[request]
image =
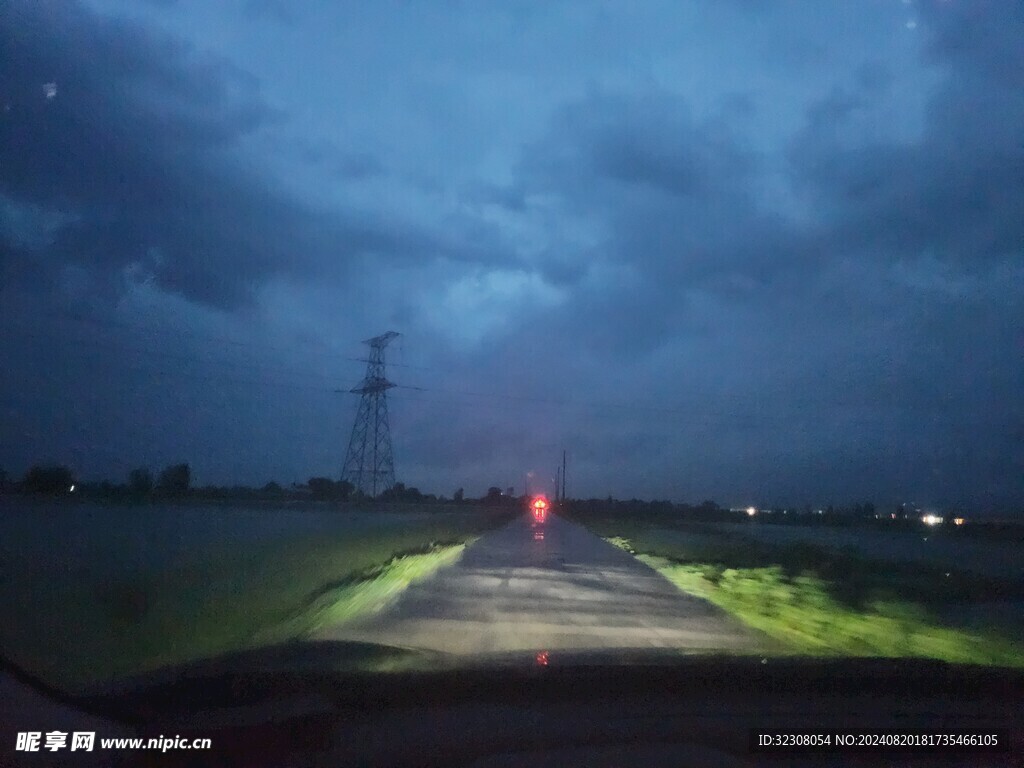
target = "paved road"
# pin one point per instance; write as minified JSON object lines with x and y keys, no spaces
{"x":548,"y":586}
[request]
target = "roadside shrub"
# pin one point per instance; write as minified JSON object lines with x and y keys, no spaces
{"x":48,"y":479}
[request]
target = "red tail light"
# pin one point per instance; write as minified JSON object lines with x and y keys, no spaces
{"x":540,"y":508}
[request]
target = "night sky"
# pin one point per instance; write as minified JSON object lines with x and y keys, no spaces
{"x":760,"y":253}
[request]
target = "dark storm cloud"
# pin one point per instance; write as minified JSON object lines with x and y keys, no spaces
{"x":958,"y":192}
{"x":870,"y":338}
{"x":642,"y":139}
{"x":678,"y":198}
{"x":280,"y":11}
{"x":138,"y":152}
{"x":673,"y":206}
{"x":337,"y":162}
{"x":699,"y":290}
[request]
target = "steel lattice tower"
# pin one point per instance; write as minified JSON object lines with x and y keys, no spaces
{"x":369,"y":463}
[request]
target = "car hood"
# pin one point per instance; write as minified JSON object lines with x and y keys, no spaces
{"x":329,"y":676}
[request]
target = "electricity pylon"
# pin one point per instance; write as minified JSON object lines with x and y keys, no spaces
{"x":369,"y":463}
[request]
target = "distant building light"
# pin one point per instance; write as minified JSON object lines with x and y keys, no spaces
{"x":751,"y":511}
{"x":958,"y":521}
{"x":931,"y":519}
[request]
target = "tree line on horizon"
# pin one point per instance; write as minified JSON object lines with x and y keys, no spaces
{"x":175,"y":482}
{"x":57,"y":480}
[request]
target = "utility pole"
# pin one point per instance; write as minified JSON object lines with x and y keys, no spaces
{"x":369,"y":463}
{"x":563,"y":475}
{"x":558,"y":475}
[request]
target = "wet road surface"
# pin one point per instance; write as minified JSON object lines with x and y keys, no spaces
{"x":552,"y":585}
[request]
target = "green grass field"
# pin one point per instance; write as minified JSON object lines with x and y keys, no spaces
{"x":826,"y":603}
{"x":75,"y":625}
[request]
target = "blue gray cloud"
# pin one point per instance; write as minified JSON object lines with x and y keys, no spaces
{"x":730,"y":250}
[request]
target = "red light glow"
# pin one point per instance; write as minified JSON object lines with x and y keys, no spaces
{"x":540,"y":508}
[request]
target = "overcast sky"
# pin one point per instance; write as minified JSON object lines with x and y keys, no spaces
{"x":755,"y":252}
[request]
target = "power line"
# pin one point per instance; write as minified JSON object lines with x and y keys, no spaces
{"x":262,"y":369}
{"x":696,"y":413}
{"x":177,"y":333}
{"x":136,"y":367}
{"x":73,"y":344}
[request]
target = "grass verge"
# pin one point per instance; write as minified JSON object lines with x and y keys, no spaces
{"x":364,"y":593}
{"x":83,"y":621}
{"x":801,"y":611}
